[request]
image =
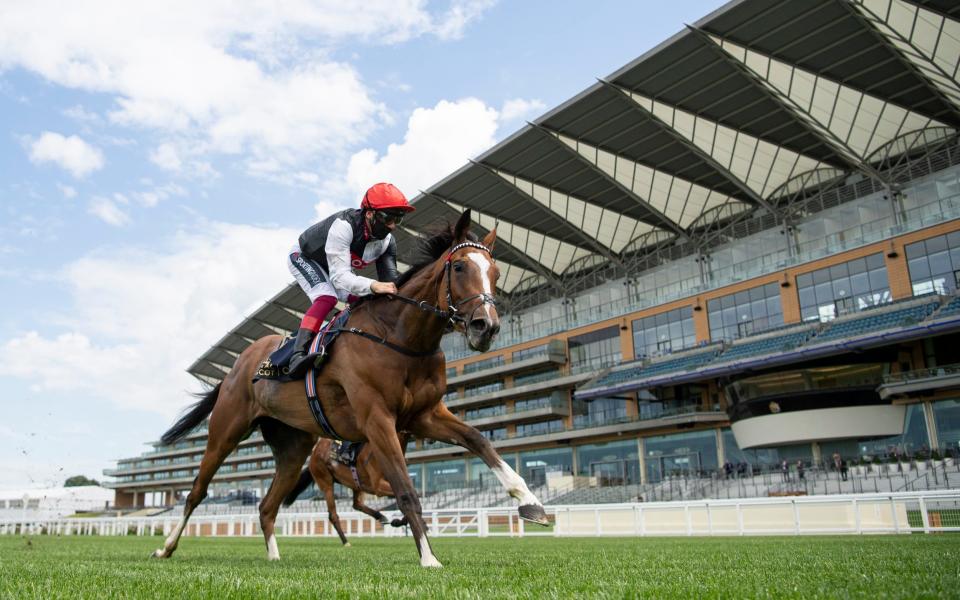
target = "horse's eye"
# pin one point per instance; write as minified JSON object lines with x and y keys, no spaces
{"x":458,"y":266}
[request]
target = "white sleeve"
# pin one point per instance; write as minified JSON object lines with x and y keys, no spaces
{"x":341,"y":272}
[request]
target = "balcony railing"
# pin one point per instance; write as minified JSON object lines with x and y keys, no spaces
{"x":919,"y":374}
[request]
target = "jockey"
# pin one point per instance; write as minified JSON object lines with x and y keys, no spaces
{"x":324,"y":257}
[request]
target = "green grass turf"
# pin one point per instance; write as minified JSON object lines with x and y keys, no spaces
{"x":906,"y":566}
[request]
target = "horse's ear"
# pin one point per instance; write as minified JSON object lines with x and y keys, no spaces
{"x":490,"y":239}
{"x":463,"y":226}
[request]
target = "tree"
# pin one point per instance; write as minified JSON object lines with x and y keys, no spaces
{"x":79,"y":480}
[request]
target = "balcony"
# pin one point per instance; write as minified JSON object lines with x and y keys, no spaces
{"x":921,"y":380}
{"x":553,"y":354}
{"x":535,"y":411}
{"x":555,"y":382}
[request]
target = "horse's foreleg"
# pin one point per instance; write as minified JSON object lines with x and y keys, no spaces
{"x":332,"y":509}
{"x":443,"y":425}
{"x":359,"y":505}
{"x":382,"y":435}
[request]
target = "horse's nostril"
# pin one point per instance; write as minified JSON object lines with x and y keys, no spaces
{"x":478,"y":325}
{"x":495,"y":329}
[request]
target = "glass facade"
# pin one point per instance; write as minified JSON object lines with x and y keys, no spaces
{"x":446,"y":475}
{"x":612,"y":463}
{"x":535,"y":465}
{"x":934,"y":264}
{"x":827,"y":293}
{"x":680,"y":454}
{"x":595,"y":349}
{"x":744,"y":313}
{"x":946,"y":415}
{"x":914,"y":439}
{"x":664,"y":333}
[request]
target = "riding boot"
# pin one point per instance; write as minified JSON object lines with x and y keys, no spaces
{"x":301,"y":348}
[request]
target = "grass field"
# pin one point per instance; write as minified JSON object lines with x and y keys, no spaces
{"x":914,"y":566}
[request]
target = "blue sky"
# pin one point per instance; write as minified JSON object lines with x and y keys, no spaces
{"x":157,"y":161}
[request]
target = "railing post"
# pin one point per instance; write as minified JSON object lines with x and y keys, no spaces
{"x":924,"y":516}
{"x":796,"y":517}
{"x":856,"y":517}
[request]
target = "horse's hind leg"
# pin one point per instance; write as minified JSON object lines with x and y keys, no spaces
{"x":291,"y":447}
{"x":228,"y":426}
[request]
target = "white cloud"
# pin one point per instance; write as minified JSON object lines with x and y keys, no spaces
{"x":166,"y":157}
{"x":107,"y":211}
{"x":140,"y":318}
{"x":233,"y":77}
{"x":519,"y":108}
{"x":67,"y":191}
{"x":70,"y":153}
{"x":438,"y":140}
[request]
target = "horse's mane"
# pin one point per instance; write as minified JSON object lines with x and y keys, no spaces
{"x":438,"y":240}
{"x":429,"y":249}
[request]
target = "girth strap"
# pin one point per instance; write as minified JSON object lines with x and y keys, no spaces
{"x":310,"y":385}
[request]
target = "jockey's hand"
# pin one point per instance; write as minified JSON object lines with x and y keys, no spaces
{"x":383,"y":287}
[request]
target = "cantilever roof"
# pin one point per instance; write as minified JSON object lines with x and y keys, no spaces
{"x":711,"y":123}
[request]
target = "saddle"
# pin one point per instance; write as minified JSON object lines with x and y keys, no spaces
{"x":275,"y":367}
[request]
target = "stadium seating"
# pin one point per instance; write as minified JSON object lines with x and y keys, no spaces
{"x":767,"y":345}
{"x":686,"y":362}
{"x":877,"y":321}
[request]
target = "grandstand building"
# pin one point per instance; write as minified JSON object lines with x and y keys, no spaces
{"x":743,"y":247}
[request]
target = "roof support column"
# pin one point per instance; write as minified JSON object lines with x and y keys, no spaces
{"x":660,"y":219}
{"x":814,"y":125}
{"x":584,"y":238}
{"x":681,"y":139}
{"x":872,"y":23}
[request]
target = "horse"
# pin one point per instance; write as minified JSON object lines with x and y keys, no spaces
{"x":387,"y":375}
{"x":365,"y":477}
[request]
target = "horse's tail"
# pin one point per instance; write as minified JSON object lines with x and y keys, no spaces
{"x":197,"y":413}
{"x":303,"y":483}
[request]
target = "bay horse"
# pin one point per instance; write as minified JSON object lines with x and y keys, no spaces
{"x":387,"y":375}
{"x":325,"y":470}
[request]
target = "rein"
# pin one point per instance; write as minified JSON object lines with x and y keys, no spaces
{"x":452,"y":316}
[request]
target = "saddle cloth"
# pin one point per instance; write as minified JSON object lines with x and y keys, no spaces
{"x":275,"y":366}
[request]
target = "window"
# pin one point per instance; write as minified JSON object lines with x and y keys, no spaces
{"x":828,"y":293}
{"x":480,"y":365}
{"x":596,"y":349}
{"x":745,"y":313}
{"x":664,"y":333}
{"x":934,"y":264}
{"x":529,"y":352}
{"x":540,"y":428}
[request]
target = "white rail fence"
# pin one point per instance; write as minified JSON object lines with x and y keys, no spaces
{"x":892,"y":513}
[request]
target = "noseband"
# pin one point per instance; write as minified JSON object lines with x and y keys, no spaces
{"x":452,"y":315}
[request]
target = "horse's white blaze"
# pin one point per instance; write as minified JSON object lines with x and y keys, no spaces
{"x":515,"y":484}
{"x":427,"y":559}
{"x":484,"y":264}
{"x":272,"y":552}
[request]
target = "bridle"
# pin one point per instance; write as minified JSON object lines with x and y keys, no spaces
{"x":452,"y":315}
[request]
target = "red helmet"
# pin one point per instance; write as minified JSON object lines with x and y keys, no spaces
{"x":385,"y":196}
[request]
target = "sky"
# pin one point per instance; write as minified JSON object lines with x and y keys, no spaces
{"x":158,"y":159}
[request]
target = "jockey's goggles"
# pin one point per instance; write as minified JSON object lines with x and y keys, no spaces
{"x":388,"y":217}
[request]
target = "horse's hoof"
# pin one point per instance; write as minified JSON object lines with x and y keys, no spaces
{"x":534,"y":513}
{"x":346,"y":544}
{"x":430,"y":562}
{"x":398,"y":523}
{"x":159,"y":553}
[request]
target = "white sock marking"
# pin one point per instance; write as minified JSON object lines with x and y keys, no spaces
{"x":427,"y":559}
{"x":272,"y":552}
{"x":515,"y":484}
